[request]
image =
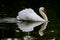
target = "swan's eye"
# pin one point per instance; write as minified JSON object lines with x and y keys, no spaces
{"x":44,"y":11}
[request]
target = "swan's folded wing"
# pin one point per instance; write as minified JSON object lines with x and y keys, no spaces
{"x":29,"y":14}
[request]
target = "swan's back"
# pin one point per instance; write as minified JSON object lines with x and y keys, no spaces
{"x":28,"y":14}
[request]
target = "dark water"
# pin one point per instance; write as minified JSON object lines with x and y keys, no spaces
{"x":11,"y":30}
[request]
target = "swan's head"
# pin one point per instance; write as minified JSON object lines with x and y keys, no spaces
{"x":42,"y":9}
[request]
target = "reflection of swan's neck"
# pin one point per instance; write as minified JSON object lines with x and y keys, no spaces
{"x":43,"y":15}
{"x":43,"y":27}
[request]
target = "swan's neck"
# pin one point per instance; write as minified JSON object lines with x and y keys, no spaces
{"x":43,"y":15}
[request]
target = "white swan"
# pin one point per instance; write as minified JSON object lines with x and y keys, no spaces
{"x":29,"y":14}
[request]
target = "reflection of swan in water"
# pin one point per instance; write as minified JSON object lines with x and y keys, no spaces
{"x":29,"y":14}
{"x":43,"y":27}
{"x":28,"y":26}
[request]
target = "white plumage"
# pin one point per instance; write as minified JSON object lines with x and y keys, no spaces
{"x":29,"y":14}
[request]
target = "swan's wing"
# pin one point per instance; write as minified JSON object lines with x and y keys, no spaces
{"x":28,"y":14}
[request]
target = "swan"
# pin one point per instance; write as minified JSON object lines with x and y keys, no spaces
{"x":28,"y":14}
